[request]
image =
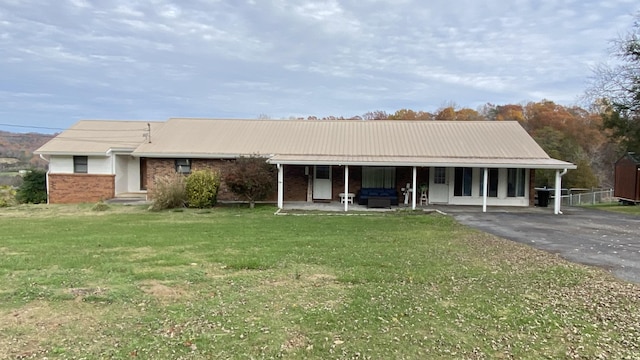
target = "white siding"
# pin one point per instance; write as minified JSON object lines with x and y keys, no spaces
{"x":64,"y":165}
{"x":121,"y":175}
{"x":127,"y":174}
{"x":61,"y":165}
{"x":476,"y":200}
{"x":134,"y":174}
{"x":100,"y":165}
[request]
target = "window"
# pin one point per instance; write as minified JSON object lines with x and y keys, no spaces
{"x":323,"y":172}
{"x":80,"y":164}
{"x":440,"y":175}
{"x":183,"y":166}
{"x":515,"y":182}
{"x":493,"y":183}
{"x":462,"y":182}
{"x":378,"y":177}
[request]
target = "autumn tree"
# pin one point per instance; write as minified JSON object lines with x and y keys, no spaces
{"x":571,"y":134}
{"x":250,"y":177}
{"x":452,"y":112}
{"x":375,"y":115}
{"x":408,"y":114}
{"x":509,"y":113}
{"x":618,"y":86}
{"x":560,"y":145}
{"x":446,"y":113}
{"x":466,"y":114}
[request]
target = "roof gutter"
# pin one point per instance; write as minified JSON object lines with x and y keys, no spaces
{"x":418,"y":164}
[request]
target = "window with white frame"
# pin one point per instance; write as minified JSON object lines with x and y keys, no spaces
{"x":440,"y":175}
{"x":494,"y":177}
{"x":463,"y":178}
{"x":378,"y":177}
{"x":515,"y":182}
{"x":80,"y":164}
{"x":183,"y":166}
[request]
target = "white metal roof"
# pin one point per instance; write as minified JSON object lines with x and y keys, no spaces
{"x":306,"y":142}
{"x":98,"y":137}
{"x":356,"y":142}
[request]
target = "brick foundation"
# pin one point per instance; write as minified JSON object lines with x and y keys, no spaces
{"x":80,"y":188}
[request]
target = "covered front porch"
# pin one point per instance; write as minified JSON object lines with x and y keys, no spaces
{"x":416,"y":186}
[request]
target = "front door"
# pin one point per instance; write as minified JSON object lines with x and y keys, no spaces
{"x":322,"y":182}
{"x":439,"y":188}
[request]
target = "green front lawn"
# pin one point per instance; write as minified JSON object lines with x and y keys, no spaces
{"x":240,"y":283}
{"x":625,"y":209}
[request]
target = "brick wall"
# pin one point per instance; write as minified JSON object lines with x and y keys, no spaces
{"x":404,"y":175}
{"x":80,"y":188}
{"x":337,"y":175}
{"x":295,"y":182}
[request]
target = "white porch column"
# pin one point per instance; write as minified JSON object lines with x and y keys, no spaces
{"x":346,"y":188}
{"x":485,"y":187}
{"x":558,"y":192}
{"x":414,"y":188}
{"x":280,"y":186}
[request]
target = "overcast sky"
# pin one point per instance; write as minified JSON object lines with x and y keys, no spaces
{"x":65,"y":60}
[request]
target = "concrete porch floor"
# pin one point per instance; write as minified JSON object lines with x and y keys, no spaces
{"x":444,"y":209}
{"x":339,"y":207}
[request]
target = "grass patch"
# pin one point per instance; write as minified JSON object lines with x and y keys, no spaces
{"x":240,"y":283}
{"x":625,"y":209}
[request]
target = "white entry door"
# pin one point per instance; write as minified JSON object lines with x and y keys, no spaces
{"x":322,"y":182}
{"x":439,"y":187}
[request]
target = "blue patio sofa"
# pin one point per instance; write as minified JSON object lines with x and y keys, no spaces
{"x":365,"y":193}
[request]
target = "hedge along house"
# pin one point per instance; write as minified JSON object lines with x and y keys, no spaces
{"x":479,"y":163}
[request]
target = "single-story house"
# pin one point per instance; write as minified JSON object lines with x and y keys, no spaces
{"x":483,"y":163}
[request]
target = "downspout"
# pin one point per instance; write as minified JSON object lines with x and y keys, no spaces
{"x":558,"y":191}
{"x":46,"y":177}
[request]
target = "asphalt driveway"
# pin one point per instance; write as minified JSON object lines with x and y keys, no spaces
{"x":593,"y":237}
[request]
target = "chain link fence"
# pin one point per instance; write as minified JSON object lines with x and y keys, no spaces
{"x":588,"y":197}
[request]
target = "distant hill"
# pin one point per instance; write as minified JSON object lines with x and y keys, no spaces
{"x":16,"y":150}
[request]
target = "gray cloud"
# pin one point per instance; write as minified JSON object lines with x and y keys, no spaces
{"x":163,"y":58}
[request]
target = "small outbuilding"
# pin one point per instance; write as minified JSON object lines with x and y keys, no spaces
{"x":627,"y":178}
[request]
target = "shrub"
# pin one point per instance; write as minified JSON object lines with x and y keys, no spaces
{"x":34,"y":188}
{"x":7,"y":196}
{"x":100,"y":206}
{"x":202,"y":188}
{"x":169,"y":192}
{"x":251,"y":177}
